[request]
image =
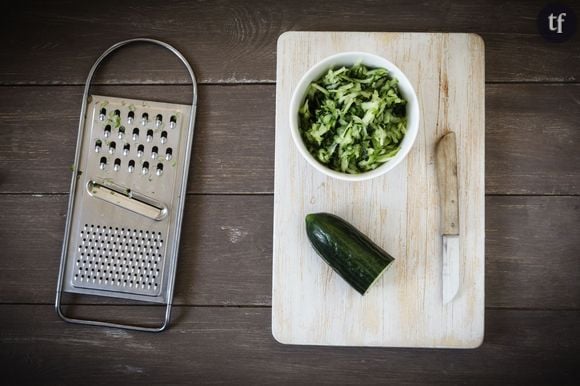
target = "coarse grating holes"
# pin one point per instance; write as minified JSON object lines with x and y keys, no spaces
{"x":112,"y":147}
{"x":118,"y":259}
{"x":103,"y":163}
{"x":136,"y":142}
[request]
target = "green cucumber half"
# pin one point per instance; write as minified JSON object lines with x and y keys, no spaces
{"x":348,"y":251}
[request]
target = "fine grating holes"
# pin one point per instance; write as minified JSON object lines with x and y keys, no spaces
{"x":107,"y":268}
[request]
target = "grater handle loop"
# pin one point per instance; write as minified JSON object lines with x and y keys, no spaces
{"x":123,"y":43}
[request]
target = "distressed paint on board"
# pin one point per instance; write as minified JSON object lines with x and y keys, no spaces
{"x":399,"y":211}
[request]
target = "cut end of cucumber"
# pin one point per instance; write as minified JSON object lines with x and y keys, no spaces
{"x":351,"y":254}
{"x":378,"y":277}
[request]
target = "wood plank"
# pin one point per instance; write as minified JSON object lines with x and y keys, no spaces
{"x":532,"y":247}
{"x":235,"y":41}
{"x":233,"y":145}
{"x":531,"y":147}
{"x":532,"y":250}
{"x":235,"y":346}
{"x":532,"y":139}
{"x":224,"y":257}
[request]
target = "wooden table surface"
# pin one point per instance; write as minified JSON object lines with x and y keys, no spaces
{"x":221,"y":326}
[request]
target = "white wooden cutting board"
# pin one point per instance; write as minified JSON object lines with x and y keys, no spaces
{"x":399,"y":211}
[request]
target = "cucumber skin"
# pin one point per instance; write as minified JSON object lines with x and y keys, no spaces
{"x":349,"y":252}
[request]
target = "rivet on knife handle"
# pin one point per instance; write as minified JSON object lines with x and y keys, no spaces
{"x":446,"y":159}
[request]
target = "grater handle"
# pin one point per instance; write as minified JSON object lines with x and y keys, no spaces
{"x":99,"y":323}
{"x":118,"y":45}
{"x":173,"y":261}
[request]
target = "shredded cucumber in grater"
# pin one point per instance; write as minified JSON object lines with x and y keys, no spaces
{"x":353,"y":118}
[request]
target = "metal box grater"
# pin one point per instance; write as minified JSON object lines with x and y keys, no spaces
{"x":127,"y":198}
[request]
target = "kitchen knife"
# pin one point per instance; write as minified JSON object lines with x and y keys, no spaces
{"x":446,"y":160}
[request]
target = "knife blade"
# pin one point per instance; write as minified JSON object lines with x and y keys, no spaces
{"x":446,"y":160}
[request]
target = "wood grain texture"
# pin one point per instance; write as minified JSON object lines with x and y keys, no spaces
{"x":233,"y":144}
{"x":232,"y":41}
{"x":234,"y":346}
{"x":532,"y":248}
{"x":446,"y":160}
{"x":532,"y":244}
{"x":399,"y":211}
{"x":532,"y":147}
{"x":530,"y":237}
{"x":532,"y":131}
{"x":224,"y":257}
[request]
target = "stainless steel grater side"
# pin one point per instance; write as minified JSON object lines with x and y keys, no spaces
{"x":126,"y":198}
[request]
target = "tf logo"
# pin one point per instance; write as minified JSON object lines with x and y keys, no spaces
{"x":556,"y":22}
{"x":560,"y":20}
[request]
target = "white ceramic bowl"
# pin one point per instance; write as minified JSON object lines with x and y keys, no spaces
{"x":349,"y":59}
